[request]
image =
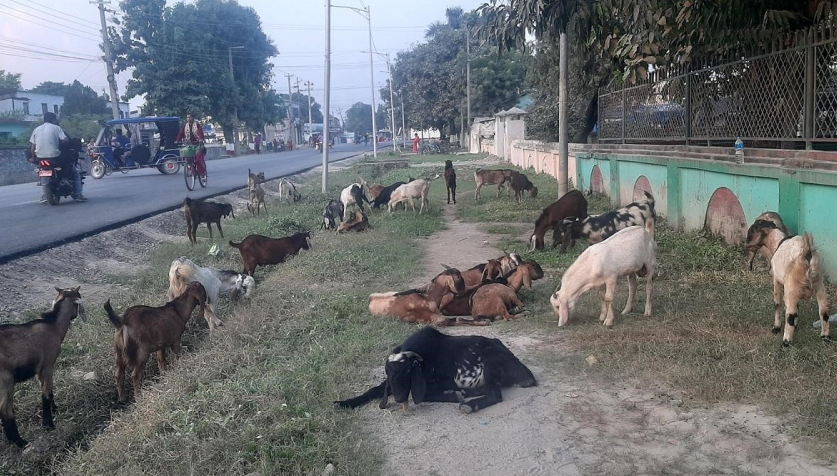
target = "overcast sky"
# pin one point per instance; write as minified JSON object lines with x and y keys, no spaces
{"x":296,"y":27}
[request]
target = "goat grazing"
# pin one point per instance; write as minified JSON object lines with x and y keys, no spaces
{"x":596,"y":228}
{"x":776,"y":219}
{"x":572,"y":204}
{"x":408,"y":192}
{"x":353,"y":195}
{"x":435,"y":367}
{"x":527,"y":272}
{"x":254,"y":185}
{"x":795,"y":266}
{"x":198,"y":212}
{"x":450,"y":180}
{"x":520,"y":183}
{"x":374,"y":191}
{"x":215,"y":281}
{"x":258,"y":250}
{"x":423,"y":305}
{"x":386,"y":193}
{"x":491,"y":177}
{"x":332,"y":214}
{"x":31,"y":349}
{"x":288,"y":191}
{"x":360,"y":222}
{"x":145,"y":329}
{"x":629,"y":252}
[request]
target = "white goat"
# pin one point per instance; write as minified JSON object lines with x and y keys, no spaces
{"x":216,"y":282}
{"x":409,"y":191}
{"x":353,"y":195}
{"x":629,"y":252}
{"x":287,"y":190}
{"x":795,"y":266}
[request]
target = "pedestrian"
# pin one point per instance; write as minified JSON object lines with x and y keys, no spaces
{"x":416,"y":141}
{"x":366,"y":139}
{"x":258,"y":142}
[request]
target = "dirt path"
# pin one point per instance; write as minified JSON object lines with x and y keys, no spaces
{"x":568,"y":425}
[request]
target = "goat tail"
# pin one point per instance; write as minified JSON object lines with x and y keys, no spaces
{"x":235,"y":245}
{"x":114,"y":318}
{"x":649,"y":226}
{"x":812,"y":257}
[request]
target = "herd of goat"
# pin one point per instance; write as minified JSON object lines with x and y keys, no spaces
{"x":429,"y":365}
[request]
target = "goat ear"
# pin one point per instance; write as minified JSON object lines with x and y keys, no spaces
{"x":385,"y":396}
{"x":58,"y":289}
{"x":443,"y":265}
{"x":418,"y":387}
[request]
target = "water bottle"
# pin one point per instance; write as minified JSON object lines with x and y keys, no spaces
{"x":739,"y":151}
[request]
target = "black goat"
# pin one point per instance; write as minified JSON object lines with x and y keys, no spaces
{"x":331,"y":215}
{"x":386,"y":193}
{"x":198,"y":212}
{"x":450,"y":180}
{"x":436,"y":367}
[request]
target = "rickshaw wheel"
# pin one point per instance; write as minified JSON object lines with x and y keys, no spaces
{"x":169,"y":166}
{"x":97,"y":169}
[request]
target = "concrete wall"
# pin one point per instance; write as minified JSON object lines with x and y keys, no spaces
{"x":14,"y":168}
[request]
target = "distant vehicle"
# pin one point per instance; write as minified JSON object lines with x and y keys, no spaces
{"x":155,"y":147}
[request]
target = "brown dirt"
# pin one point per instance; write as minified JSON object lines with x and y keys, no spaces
{"x":569,"y":425}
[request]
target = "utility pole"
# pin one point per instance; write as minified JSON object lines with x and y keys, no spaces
{"x":310,"y":118}
{"x":468,"y":72}
{"x":372,"y":82}
{"x":391,"y":104}
{"x":235,"y":107}
{"x":291,"y":134}
{"x":114,"y":98}
{"x":403,"y":123}
{"x":327,"y":94}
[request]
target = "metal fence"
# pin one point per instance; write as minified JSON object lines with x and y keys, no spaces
{"x":786,"y":95}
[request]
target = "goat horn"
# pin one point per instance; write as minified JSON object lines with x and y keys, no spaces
{"x":445,"y":266}
{"x":408,"y":354}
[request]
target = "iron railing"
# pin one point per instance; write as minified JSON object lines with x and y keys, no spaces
{"x":787,"y":95}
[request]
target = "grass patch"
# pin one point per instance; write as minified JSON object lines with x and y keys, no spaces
{"x":256,"y":395}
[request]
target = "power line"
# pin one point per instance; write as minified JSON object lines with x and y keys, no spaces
{"x":52,"y":21}
{"x":51,"y":27}
{"x":62,"y":12}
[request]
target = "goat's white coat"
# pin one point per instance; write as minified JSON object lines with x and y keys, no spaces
{"x":287,"y":190}
{"x":600,"y":266}
{"x":347,"y":198}
{"x":183,"y":271}
{"x":408,"y":192}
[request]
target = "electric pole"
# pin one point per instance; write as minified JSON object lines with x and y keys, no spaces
{"x":236,"y":124}
{"x":310,"y":119}
{"x":403,"y":123}
{"x":468,"y":72}
{"x":327,"y":94}
{"x":291,"y":134}
{"x":372,"y":82}
{"x":391,"y":104}
{"x":114,"y":98}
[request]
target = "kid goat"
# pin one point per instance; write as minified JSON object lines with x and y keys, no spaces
{"x":795,"y":266}
{"x":630,"y":252}
{"x":31,"y":349}
{"x":435,"y":367}
{"x":597,"y":228}
{"x":198,"y":212}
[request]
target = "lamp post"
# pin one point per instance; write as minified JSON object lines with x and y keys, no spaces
{"x":326,"y":95}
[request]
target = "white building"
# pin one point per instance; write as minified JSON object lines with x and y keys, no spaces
{"x":33,"y":105}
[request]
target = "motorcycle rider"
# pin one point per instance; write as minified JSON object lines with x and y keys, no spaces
{"x":45,"y":142}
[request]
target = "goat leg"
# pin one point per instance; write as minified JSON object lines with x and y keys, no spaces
{"x":218,"y":224}
{"x":777,"y":307}
{"x":492,"y":396}
{"x":161,"y":360}
{"x":610,"y":291}
{"x":822,"y":306}
{"x":209,"y":227}
{"x":47,"y":400}
{"x":632,"y":286}
{"x":7,"y":415}
{"x":791,"y":313}
{"x":12,"y":434}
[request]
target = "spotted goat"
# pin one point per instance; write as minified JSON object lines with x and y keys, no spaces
{"x":434,"y":367}
{"x":597,"y":228}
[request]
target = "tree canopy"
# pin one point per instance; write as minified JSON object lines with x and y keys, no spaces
{"x":51,"y":87}
{"x":302,"y":100}
{"x":359,"y":118}
{"x":9,"y":80}
{"x":81,"y":99}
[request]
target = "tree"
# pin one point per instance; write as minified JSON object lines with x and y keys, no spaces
{"x":359,"y":118}
{"x":302,"y":100}
{"x":181,"y":66}
{"x":51,"y":87}
{"x":9,"y":80}
{"x":84,"y":126}
{"x":81,"y":99}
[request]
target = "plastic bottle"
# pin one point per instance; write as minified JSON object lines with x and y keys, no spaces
{"x":739,"y":151}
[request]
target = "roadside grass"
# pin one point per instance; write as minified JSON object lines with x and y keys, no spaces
{"x":709,"y":336}
{"x":255,"y":395}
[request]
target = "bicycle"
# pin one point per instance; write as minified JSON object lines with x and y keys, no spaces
{"x":190,"y":171}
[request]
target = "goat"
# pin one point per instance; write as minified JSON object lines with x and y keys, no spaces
{"x":423,"y":305}
{"x":198,"y":212}
{"x":287,"y":190}
{"x":353,"y":195}
{"x":795,"y":266}
{"x":215,"y":281}
{"x":145,"y":329}
{"x":258,"y":250}
{"x":491,"y":177}
{"x":374,"y":191}
{"x":629,"y":252}
{"x":490,"y":271}
{"x":408,"y":192}
{"x":771,"y":217}
{"x":332,"y":213}
{"x":450,"y":180}
{"x":254,"y":182}
{"x":494,"y":300}
{"x":572,"y":204}
{"x":596,"y":228}
{"x":359,"y":223}
{"x":386,"y":193}
{"x":527,"y":272}
{"x":520,"y":183}
{"x":434,"y":367}
{"x":31,"y":349}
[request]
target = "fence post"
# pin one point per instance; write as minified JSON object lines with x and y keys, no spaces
{"x":809,"y":103}
{"x":688,"y":107}
{"x":624,"y":113}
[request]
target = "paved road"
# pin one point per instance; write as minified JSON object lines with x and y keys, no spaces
{"x":29,"y":226}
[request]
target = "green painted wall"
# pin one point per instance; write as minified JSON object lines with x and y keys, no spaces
{"x":755,"y":194}
{"x":585,"y":169}
{"x":813,"y":201}
{"x":657,"y":175}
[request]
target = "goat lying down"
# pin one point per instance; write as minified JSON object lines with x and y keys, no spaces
{"x":795,"y":266}
{"x":630,"y":252}
{"x":215,"y":281}
{"x":435,"y":367}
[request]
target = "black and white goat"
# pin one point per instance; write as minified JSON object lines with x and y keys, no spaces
{"x":332,"y":214}
{"x":597,"y":228}
{"x":215,"y":281}
{"x":353,"y":195}
{"x":435,"y":367}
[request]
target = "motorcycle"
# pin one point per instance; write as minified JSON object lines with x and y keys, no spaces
{"x":55,"y":176}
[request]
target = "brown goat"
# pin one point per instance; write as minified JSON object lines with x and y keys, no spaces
{"x":31,"y":349}
{"x":572,"y":204}
{"x":198,"y":212}
{"x":494,"y":301}
{"x":145,"y":329}
{"x":254,"y":186}
{"x":527,"y":272}
{"x":450,"y":180}
{"x":258,"y":250}
{"x":491,"y":177}
{"x":423,"y":305}
{"x":520,"y":183}
{"x":774,"y":218}
{"x":360,"y":222}
{"x":374,"y":191}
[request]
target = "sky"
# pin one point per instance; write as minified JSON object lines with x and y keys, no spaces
{"x":71,"y":29}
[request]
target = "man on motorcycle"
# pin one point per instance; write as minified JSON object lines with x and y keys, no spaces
{"x":45,"y":142}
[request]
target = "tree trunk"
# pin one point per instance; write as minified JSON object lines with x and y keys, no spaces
{"x":563,"y":134}
{"x":229,"y":135}
{"x":590,"y":118}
